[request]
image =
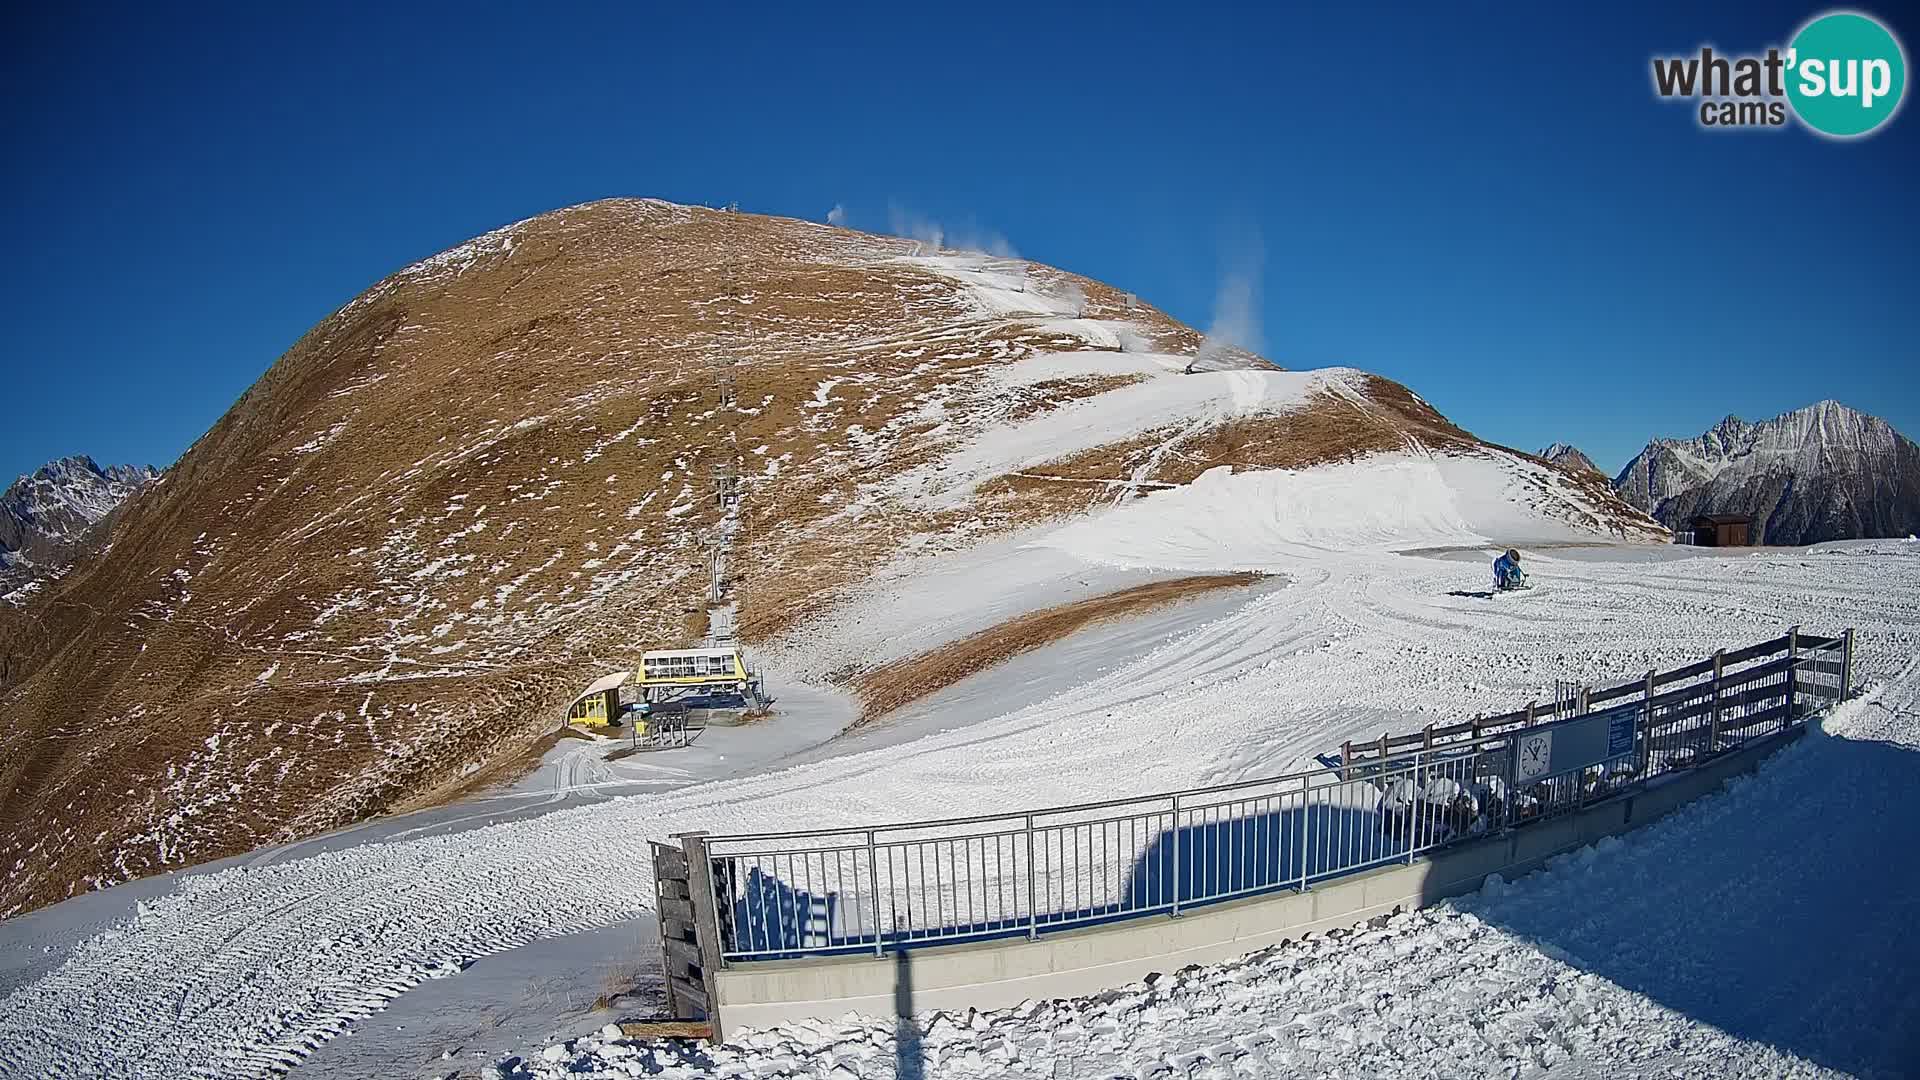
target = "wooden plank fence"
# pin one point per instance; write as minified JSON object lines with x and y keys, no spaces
{"x":689,"y":935}
{"x":1645,"y":688}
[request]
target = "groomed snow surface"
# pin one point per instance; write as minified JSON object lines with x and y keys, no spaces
{"x":1768,"y":931}
{"x":1688,"y":954}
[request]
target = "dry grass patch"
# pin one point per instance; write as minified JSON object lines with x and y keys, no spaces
{"x":887,"y":688}
{"x":1031,"y":401}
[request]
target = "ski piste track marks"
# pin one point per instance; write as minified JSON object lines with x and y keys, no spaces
{"x":1635,"y":957}
{"x":243,"y":971}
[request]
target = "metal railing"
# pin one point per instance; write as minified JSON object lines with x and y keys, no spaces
{"x":1027,"y":873}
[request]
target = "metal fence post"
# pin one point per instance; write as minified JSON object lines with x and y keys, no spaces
{"x":1793,"y":676}
{"x":1033,"y":874}
{"x":1415,"y":808}
{"x":873,"y":882}
{"x":1176,"y":856}
{"x":1846,"y":665}
{"x":1305,"y":793}
{"x":1513,"y":779}
{"x":1713,"y":729}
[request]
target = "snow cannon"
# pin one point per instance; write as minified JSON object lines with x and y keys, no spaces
{"x":1507,"y":575}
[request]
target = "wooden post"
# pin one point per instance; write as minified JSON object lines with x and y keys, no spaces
{"x":1719,"y":665}
{"x":1383,"y":747}
{"x":1586,"y":692}
{"x":1346,"y":760}
{"x":1846,"y":665}
{"x":1429,"y":734}
{"x":706,"y":920}
{"x":1646,"y":729}
{"x":1512,"y":809}
{"x":1793,"y":676}
{"x":679,"y":934}
{"x":1533,"y":709}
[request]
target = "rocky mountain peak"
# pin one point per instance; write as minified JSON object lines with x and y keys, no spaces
{"x":1823,"y":472}
{"x":1568,"y":456}
{"x":47,"y":515}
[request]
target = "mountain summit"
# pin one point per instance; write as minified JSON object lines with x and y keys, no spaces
{"x":1569,"y":457}
{"x":46,"y":515}
{"x":496,"y":475}
{"x":1825,"y":472}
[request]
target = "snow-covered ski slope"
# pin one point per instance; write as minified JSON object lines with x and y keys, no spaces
{"x":245,"y":970}
{"x":1767,"y":931}
{"x":354,"y":597}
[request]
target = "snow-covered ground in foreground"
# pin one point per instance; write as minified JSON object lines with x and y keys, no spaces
{"x":250,"y":968}
{"x":1766,"y":931}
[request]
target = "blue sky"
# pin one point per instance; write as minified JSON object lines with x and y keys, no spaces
{"x":1488,"y":205}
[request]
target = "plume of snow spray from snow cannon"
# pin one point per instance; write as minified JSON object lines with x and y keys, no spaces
{"x":1236,"y":308}
{"x":967,"y":236}
{"x":1076,"y":298}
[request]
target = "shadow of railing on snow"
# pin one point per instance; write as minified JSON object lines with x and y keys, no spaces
{"x":1783,"y":914}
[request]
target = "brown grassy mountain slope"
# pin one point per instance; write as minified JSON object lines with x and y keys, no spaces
{"x":488,"y":479}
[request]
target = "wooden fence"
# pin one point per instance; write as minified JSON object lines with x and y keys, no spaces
{"x":1722,"y":674}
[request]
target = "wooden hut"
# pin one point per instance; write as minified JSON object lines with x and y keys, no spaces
{"x":1723,"y":530}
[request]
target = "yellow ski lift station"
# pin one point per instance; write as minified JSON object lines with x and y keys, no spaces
{"x":716,"y":668}
{"x":599,"y":704}
{"x":709,"y":678}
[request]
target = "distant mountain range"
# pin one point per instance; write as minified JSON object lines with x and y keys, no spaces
{"x":1825,"y":472}
{"x":48,"y":515}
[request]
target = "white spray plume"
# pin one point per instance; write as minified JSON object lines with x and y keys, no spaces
{"x":967,"y":236}
{"x":837,"y":215}
{"x":1076,"y":298}
{"x":1236,"y":304}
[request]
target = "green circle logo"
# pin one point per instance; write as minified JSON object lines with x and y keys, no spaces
{"x":1845,"y":74}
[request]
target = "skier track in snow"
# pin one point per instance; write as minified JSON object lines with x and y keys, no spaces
{"x":243,"y":971}
{"x":1765,"y":931}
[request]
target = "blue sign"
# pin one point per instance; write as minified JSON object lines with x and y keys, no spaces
{"x":1577,"y":743}
{"x":1620,"y":733}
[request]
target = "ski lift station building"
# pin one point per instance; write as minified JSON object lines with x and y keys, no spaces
{"x":711,"y":677}
{"x":599,"y":703}
{"x":668,"y":673}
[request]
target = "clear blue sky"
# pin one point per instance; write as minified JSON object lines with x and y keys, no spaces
{"x":1490,"y":206}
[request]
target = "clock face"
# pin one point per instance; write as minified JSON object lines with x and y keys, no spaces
{"x":1536,"y":755}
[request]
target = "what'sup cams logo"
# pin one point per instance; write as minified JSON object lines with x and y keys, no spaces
{"x":1843,"y":76}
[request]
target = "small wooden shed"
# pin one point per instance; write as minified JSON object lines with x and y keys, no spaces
{"x":1723,"y":530}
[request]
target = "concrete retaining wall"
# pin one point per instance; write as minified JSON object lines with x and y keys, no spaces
{"x":1073,"y":963}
